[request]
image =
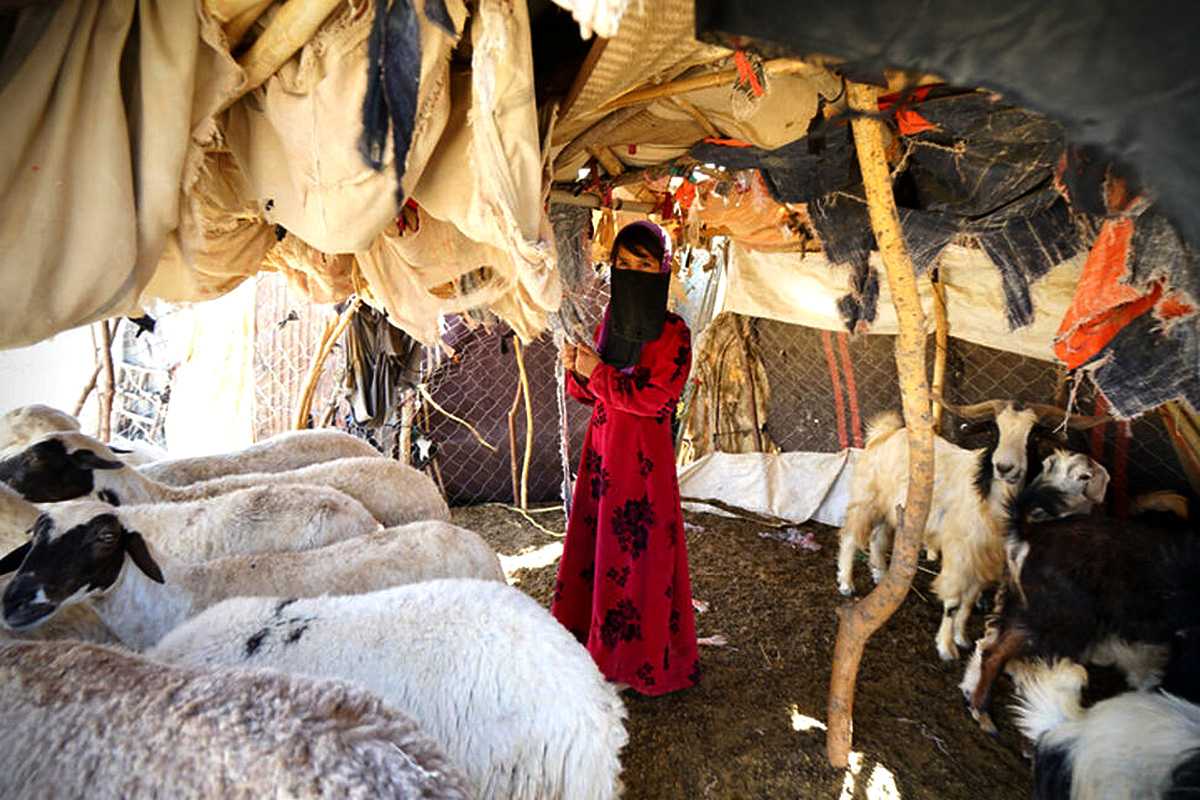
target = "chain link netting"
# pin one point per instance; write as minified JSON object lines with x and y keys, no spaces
{"x":466,"y":422}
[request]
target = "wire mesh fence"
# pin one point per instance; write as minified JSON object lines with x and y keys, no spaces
{"x":487,"y":418}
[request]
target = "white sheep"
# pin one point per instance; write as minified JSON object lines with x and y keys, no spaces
{"x":24,"y":425}
{"x":17,"y":516}
{"x":82,"y":721}
{"x":280,"y":453}
{"x":262,"y":519}
{"x":508,"y":692}
{"x":64,"y":466}
{"x":964,"y":525}
{"x":75,"y":558}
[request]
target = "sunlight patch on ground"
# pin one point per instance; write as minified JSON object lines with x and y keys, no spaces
{"x":530,"y":558}
{"x":881,"y":785}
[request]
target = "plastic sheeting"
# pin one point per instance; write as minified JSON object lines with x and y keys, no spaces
{"x":805,"y":289}
{"x":793,"y":486}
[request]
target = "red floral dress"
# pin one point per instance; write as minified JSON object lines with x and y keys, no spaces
{"x":623,"y":587}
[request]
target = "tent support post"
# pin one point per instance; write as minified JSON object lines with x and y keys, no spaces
{"x":857,"y":621}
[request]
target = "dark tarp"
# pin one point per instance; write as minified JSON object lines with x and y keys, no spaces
{"x":1117,"y":74}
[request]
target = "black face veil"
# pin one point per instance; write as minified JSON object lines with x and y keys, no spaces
{"x":637,"y":309}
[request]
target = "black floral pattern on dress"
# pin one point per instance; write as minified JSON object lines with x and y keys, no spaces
{"x":588,"y":574}
{"x":600,"y":479}
{"x":558,"y":590}
{"x":622,"y":623}
{"x":674,"y":622}
{"x":636,"y":379}
{"x":645,"y":674}
{"x":682,"y":359}
{"x":618,"y":576}
{"x":694,"y":676}
{"x":645,"y":465}
{"x":667,"y":658}
{"x":631,"y":524}
{"x":600,"y":416}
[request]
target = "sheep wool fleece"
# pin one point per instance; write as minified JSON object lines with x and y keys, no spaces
{"x":623,"y":587}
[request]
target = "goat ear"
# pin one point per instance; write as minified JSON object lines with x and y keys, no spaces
{"x":135,"y":545}
{"x":89,"y":460}
{"x":13,"y":560}
{"x":1098,"y":485}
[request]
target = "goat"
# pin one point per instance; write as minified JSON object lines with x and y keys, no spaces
{"x":64,"y":466}
{"x":970,"y":488}
{"x":1077,"y":585}
{"x":508,"y":692}
{"x":75,"y":557}
{"x":83,"y":721}
{"x":1133,"y":745}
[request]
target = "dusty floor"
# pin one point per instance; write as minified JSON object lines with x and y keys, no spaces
{"x":747,"y":730}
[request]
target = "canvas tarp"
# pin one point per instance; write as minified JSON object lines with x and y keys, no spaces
{"x":804,"y":289}
{"x":793,"y":486}
{"x":92,"y":157}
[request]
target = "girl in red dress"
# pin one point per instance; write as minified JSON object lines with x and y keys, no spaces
{"x":623,"y":586}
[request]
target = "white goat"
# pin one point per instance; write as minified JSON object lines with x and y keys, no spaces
{"x":1133,"y":745}
{"x":64,"y":466}
{"x":263,"y":519}
{"x":970,"y":489}
{"x":24,"y":425}
{"x":75,"y":557}
{"x":508,"y":692}
{"x":280,"y":453}
{"x":82,"y":721}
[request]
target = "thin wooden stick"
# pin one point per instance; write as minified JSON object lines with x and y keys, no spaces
{"x":528,"y":423}
{"x":87,"y":389}
{"x":429,"y":399}
{"x":290,"y":29}
{"x":777,"y":66}
{"x":698,"y":115}
{"x":330,"y":336}
{"x":104,"y":425}
{"x":236,"y":27}
{"x":941,"y":341}
{"x":512,"y":441}
{"x":859,"y":620}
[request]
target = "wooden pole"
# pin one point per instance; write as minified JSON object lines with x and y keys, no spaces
{"x":109,"y":388}
{"x":859,"y":620}
{"x":581,"y":77}
{"x":941,"y":341}
{"x":512,"y":441}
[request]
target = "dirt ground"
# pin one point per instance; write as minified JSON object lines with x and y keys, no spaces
{"x":750,"y":729}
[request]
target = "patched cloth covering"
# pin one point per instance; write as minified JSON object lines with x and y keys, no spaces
{"x":623,"y":586}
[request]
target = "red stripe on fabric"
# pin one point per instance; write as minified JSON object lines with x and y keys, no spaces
{"x":851,"y":389}
{"x":827,"y":340}
{"x":1099,"y":407}
{"x":1119,"y":506}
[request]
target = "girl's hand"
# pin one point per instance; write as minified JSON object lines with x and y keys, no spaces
{"x":586,"y":360}
{"x":567,"y":354}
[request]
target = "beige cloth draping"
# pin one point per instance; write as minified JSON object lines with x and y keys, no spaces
{"x":92,"y":157}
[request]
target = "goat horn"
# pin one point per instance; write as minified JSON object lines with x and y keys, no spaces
{"x":988,"y":408}
{"x":1076,"y":421}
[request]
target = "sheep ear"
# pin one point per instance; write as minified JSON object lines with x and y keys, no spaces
{"x":135,"y":545}
{"x":13,"y":560}
{"x":89,"y":460}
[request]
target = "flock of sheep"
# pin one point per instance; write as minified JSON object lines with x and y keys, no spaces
{"x":1073,"y":587}
{"x":297,"y":619}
